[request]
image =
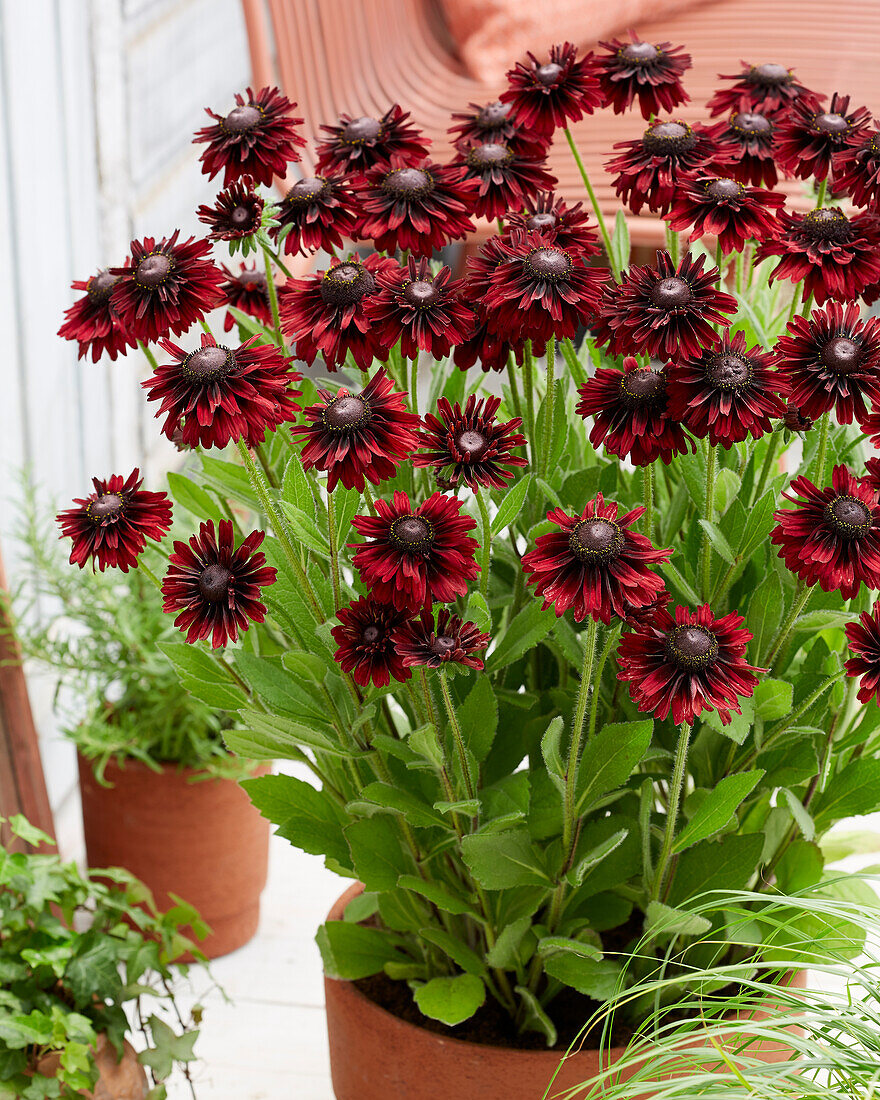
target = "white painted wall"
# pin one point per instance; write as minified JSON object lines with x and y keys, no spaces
{"x":98,"y":103}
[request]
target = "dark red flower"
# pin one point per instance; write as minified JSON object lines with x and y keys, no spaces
{"x":648,"y":170}
{"x":93,"y":321}
{"x":248,"y":292}
{"x":727,"y":393}
{"x":490,"y":349}
{"x":857,"y":170}
{"x":872,"y":474}
{"x":795,"y":420}
{"x":630,"y":414}
{"x":319,"y":211}
{"x":420,"y":642}
{"x":832,"y":361}
{"x":808,"y":137}
{"x":420,"y":310}
{"x":744,"y":148}
{"x":832,"y":536}
{"x":469,"y":445}
{"x":566,"y":225}
{"x":641,"y":71}
{"x":257,"y":138}
{"x":213,"y":588}
{"x":724,"y":208}
{"x":767,"y":89}
{"x":663,"y":310}
{"x":416,"y":206}
{"x":834,"y":256}
{"x":688,"y":664}
{"x":168,"y":287}
{"x":594,"y":564}
{"x":553,"y":93}
{"x":416,"y":556}
{"x":368,"y":648}
{"x":355,"y":145}
{"x":495,"y":122}
{"x":216,"y":394}
{"x":110,"y":526}
{"x":356,"y":436}
{"x":326,"y":313}
{"x":237,"y":212}
{"x":539,"y":288}
{"x":864,"y":641}
{"x":506,"y":181}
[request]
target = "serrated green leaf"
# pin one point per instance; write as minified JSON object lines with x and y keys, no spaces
{"x":511,"y":506}
{"x":717,"y":808}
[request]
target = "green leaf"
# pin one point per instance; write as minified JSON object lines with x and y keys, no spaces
{"x":801,"y":815}
{"x":854,"y":791}
{"x":511,"y":506}
{"x":823,"y":619}
{"x":193,"y":498}
{"x":502,"y":860}
{"x":20,"y":826}
{"x":609,"y":759}
{"x":351,"y":951}
{"x":739,"y":726}
{"x":403,"y":802}
{"x":425,"y":742}
{"x":534,"y":1017}
{"x":550,"y":750}
{"x":718,"y":542}
{"x":376,"y":852}
{"x":168,"y":1049}
{"x":727,"y":486}
{"x":594,"y":857}
{"x":305,"y":529}
{"x":270,"y":737}
{"x":295,"y":486}
{"x":620,"y":246}
{"x":725,"y":864}
{"x":663,"y":920}
{"x":451,"y":1000}
{"x":772,"y":699}
{"x":502,"y":954}
{"x":309,"y":818}
{"x":529,"y":627}
{"x":477,"y":612}
{"x":461,"y":954}
{"x":717,"y":808}
{"x":596,"y":978}
{"x":478,"y":718}
{"x":438,"y":894}
{"x":204,"y":675}
{"x":764,"y":616}
{"x":759,"y":523}
{"x":552,"y":945}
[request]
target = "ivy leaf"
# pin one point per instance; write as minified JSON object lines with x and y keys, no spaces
{"x":169,"y":1048}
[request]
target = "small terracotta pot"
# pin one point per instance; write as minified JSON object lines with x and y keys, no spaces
{"x":202,"y":840}
{"x":120,"y":1079}
{"x":375,"y":1055}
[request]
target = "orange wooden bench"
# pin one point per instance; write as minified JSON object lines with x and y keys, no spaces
{"x":360,"y":56}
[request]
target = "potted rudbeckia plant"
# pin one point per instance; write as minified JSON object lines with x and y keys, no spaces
{"x":567,"y":641}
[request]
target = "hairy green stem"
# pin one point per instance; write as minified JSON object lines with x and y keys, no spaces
{"x":148,"y":355}
{"x":273,"y":295}
{"x":597,"y":209}
{"x":514,"y":385}
{"x":529,"y":385}
{"x":569,"y":810}
{"x":769,"y":458}
{"x":709,"y":514}
{"x":801,"y":595}
{"x":148,"y":572}
{"x":458,"y":736}
{"x":414,"y":385}
{"x":334,"y":550}
{"x":819,"y":466}
{"x":548,"y":407}
{"x":648,"y":490}
{"x":610,"y":643}
{"x":676,"y":787}
{"x":486,"y":548}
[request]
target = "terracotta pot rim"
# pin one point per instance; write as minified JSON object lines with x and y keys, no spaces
{"x":614,"y":1053}
{"x":165,"y":767}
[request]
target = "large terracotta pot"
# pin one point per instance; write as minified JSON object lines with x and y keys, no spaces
{"x":203,"y":841}
{"x":375,"y":1055}
{"x":120,"y":1079}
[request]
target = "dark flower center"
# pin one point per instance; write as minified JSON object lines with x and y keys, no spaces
{"x":548,"y":74}
{"x":724,"y":189}
{"x":640,"y":386}
{"x":691,"y":647}
{"x":668,"y":138}
{"x":595,"y":541}
{"x":841,"y":354}
{"x":828,"y":224}
{"x":214,"y":582}
{"x":542,"y":220}
{"x":208,"y":364}
{"x":370,"y":634}
{"x":100,"y":287}
{"x":252,"y":278}
{"x":306,"y":190}
{"x":412,"y":533}
{"x":751,"y":123}
{"x":729,"y":371}
{"x":489,"y":155}
{"x":346,"y":413}
{"x":442,"y":646}
{"x":241,"y":215}
{"x":361,"y":130}
{"x":830,"y":123}
{"x":850,"y":518}
{"x":242,"y":118}
{"x":639,"y":52}
{"x":549,"y":264}
{"x":769,"y":74}
{"x":105,"y":508}
{"x":493,"y":116}
{"x":472,"y":444}
{"x":671,"y":293}
{"x":421,"y":293}
{"x":153,"y":270}
{"x":346,"y":284}
{"x":408,"y":183}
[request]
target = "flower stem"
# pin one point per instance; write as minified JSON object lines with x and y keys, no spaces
{"x":610,"y":643}
{"x":514,"y":385}
{"x":676,"y":788}
{"x":648,"y":490}
{"x":148,"y":572}
{"x":672,"y":246}
{"x":597,"y":209}
{"x":334,"y":550}
{"x":273,"y":295}
{"x":148,"y":355}
{"x":802,"y":594}
{"x":820,"y":197}
{"x":719,"y":263}
{"x":529,"y":384}
{"x":819,"y":467}
{"x":279,"y":527}
{"x":414,"y":385}
{"x":769,"y":458}
{"x":486,"y":548}
{"x":709,"y":513}
{"x":548,"y":407}
{"x":458,"y":735}
{"x":569,"y":810}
